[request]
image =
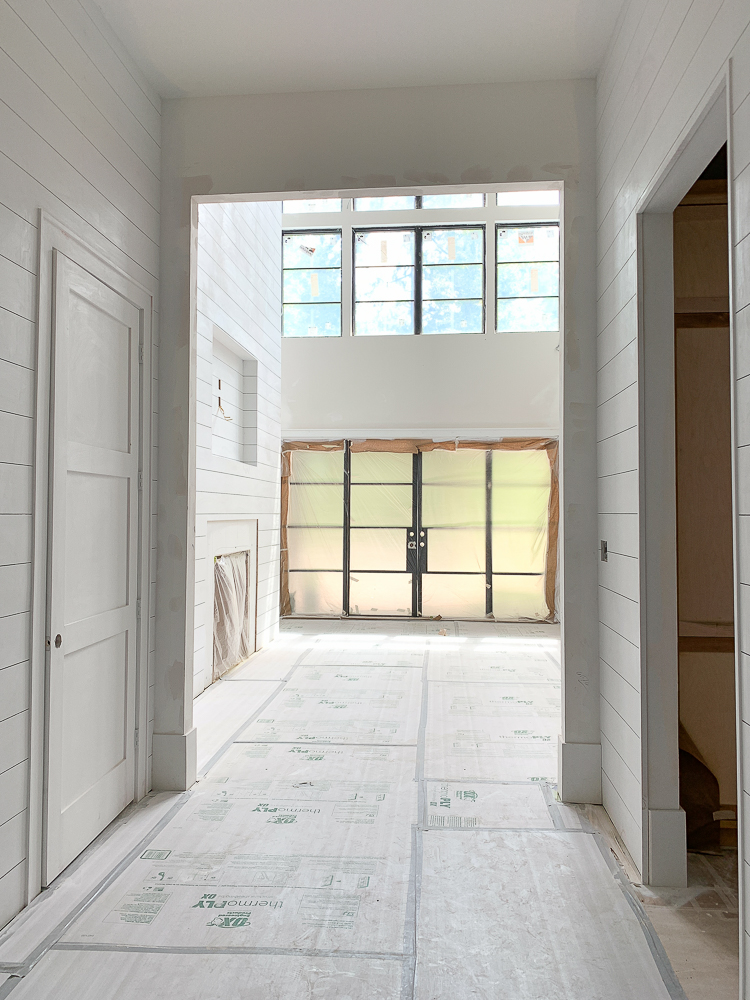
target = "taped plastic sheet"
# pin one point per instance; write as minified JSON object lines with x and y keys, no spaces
{"x":466,"y":806}
{"x":507,"y":662}
{"x":217,"y":717}
{"x":559,"y":924}
{"x":79,"y":975}
{"x":492,"y":731}
{"x":233,"y":638}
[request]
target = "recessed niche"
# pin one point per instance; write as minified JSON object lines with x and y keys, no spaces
{"x":234,"y":405}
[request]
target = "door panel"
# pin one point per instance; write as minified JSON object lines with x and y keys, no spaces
{"x":92,"y":616}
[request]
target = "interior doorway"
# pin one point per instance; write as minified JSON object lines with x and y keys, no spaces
{"x":705,"y":577}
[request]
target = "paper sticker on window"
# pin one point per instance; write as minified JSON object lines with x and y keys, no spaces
{"x":527,"y":237}
{"x":314,"y":288}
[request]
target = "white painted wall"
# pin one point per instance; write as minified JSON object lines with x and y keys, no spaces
{"x":665,"y":59}
{"x":238,"y":340}
{"x":382,"y":139}
{"x":79,"y":139}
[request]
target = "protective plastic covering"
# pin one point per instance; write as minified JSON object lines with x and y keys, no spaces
{"x":233,"y":616}
{"x":478,"y":522}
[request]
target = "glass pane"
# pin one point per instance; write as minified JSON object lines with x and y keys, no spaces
{"x":384,"y":247}
{"x":459,"y":281}
{"x":381,"y":506}
{"x":528,"y":279}
{"x":384,"y":284}
{"x":381,"y":467}
{"x":452,"y":200}
{"x":518,"y":597}
{"x":317,"y":466}
{"x":519,"y":549}
{"x":316,"y":505}
{"x":380,"y":593}
{"x":383,"y":319}
{"x":312,"y":249}
{"x":528,"y":198}
{"x":466,"y":466}
{"x":453,"y":317}
{"x":316,"y":593}
{"x":454,"y":596}
{"x":453,"y":506}
{"x":528,"y":243}
{"x":299,"y":206}
{"x":378,"y":548}
{"x":315,"y":548}
{"x":456,"y":550}
{"x":448,"y":246}
{"x":312,"y":286}
{"x":390,"y":204}
{"x":527,"y":315}
{"x":523,"y":468}
{"x":303,"y":320}
{"x":523,"y":505}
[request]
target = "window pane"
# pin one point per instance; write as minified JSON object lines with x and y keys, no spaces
{"x":381,"y":467}
{"x":380,"y":593}
{"x":316,"y":505}
{"x":454,"y":596}
{"x":455,"y":281}
{"x":385,"y":284}
{"x":315,"y":548}
{"x":316,"y":593}
{"x":298,"y":206}
{"x":312,"y":250}
{"x":452,"y":200}
{"x":528,"y":243}
{"x":521,"y":468}
{"x":465,"y":467}
{"x":528,"y":197}
{"x":515,"y":280}
{"x":385,"y":319}
{"x":384,"y":247}
{"x":381,"y":506}
{"x":301,"y":285}
{"x":449,"y":246}
{"x":310,"y":320}
{"x":453,"y":317}
{"x":519,"y":549}
{"x":378,"y":548}
{"x":317,"y":466}
{"x":527,"y":315}
{"x":391,"y":204}
{"x":518,"y":597}
{"x":453,"y":506}
{"x":456,"y":550}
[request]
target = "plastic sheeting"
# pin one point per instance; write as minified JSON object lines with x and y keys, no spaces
{"x":233,"y":616}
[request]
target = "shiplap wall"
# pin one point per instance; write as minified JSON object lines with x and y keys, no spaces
{"x":239,"y":293}
{"x":663,"y":62}
{"x":80,"y":139}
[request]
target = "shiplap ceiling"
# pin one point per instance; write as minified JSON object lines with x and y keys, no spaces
{"x":211,"y":47}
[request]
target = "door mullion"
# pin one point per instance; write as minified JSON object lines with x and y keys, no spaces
{"x":419,"y":566}
{"x":347,"y":521}
{"x":488,"y":532}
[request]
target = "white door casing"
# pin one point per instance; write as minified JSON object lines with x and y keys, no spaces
{"x":93,"y":557}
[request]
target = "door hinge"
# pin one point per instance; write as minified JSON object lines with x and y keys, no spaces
{"x":138,"y":610}
{"x":137,"y":734}
{"x":140,"y":482}
{"x":140,"y":353}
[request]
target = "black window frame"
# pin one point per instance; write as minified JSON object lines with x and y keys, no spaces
{"x":419,"y":231}
{"x":302,"y":232}
{"x":529,"y":225}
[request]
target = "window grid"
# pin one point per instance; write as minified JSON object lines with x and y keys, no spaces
{"x":314,"y":272}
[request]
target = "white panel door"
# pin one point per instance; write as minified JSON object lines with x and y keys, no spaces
{"x":93,"y":561}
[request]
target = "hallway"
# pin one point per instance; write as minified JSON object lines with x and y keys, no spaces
{"x":375,"y":818}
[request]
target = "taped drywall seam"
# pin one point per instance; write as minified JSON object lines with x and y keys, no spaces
{"x":234,"y":737}
{"x":54,"y":936}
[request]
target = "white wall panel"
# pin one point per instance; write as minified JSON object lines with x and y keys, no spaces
{"x":239,"y":292}
{"x":663,"y":61}
{"x":79,"y":139}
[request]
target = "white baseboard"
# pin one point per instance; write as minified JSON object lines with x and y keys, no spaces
{"x":175,"y":761}
{"x":667,"y":848}
{"x":579,"y":772}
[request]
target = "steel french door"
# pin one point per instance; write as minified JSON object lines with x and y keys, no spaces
{"x":93,"y":561}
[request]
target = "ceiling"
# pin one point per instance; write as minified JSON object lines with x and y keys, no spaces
{"x":212,"y":47}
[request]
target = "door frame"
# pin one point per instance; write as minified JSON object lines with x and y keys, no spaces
{"x":95,"y":256}
{"x":663,"y":821}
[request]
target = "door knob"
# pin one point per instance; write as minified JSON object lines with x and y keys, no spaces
{"x":58,"y":641}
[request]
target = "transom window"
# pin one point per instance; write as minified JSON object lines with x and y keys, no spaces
{"x":404,"y":265}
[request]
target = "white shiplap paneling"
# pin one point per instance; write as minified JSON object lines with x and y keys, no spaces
{"x":79,"y":139}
